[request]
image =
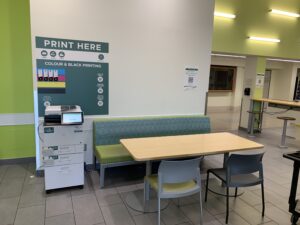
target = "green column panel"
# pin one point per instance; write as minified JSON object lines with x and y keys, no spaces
{"x":16,"y":88}
{"x":260,"y":70}
{"x":17,"y":142}
{"x":258,"y":91}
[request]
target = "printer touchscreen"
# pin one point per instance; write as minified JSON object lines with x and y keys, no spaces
{"x":72,"y":118}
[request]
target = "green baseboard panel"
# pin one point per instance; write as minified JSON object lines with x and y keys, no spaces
{"x":17,"y":142}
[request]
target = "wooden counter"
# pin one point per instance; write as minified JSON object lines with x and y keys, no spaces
{"x":278,"y":102}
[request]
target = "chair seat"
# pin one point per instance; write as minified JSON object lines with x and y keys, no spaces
{"x":169,"y":188}
{"x":286,"y":118}
{"x":241,"y":180}
{"x":112,"y":154}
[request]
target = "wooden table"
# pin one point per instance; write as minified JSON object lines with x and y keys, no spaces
{"x":257,"y":104}
{"x":279,"y":103}
{"x":169,"y":147}
{"x":157,"y":148}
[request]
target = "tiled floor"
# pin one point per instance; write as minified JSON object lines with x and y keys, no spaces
{"x":24,"y":202}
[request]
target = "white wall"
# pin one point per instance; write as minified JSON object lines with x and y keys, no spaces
{"x":283,"y":79}
{"x":282,"y":86}
{"x":151,"y":43}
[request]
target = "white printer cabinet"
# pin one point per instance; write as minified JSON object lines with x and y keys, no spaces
{"x":63,"y":156}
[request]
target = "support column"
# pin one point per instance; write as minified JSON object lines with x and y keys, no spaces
{"x":254,"y":80}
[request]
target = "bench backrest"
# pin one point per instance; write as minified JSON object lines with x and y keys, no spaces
{"x":110,"y":130}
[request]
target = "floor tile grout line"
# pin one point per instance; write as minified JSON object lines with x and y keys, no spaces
{"x":94,"y":192}
{"x":22,"y":189}
{"x":199,"y":213}
{"x":72,"y":208}
{"x":243,"y":217}
{"x":2,"y":178}
{"x":124,"y":202}
{"x":45,"y":210}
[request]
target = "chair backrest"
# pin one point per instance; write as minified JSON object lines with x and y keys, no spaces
{"x":179,"y":171}
{"x":244,"y":164}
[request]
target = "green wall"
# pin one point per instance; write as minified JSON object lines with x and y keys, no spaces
{"x":253,"y":19}
{"x":16,"y":91}
{"x":17,"y":141}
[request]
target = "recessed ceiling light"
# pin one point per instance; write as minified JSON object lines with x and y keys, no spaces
{"x":225,"y":15}
{"x":231,"y":56}
{"x":283,"y":60}
{"x":284,"y":13}
{"x":264,"y":39}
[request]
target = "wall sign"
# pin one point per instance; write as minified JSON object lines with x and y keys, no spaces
{"x":72,"y":72}
{"x":191,"y":77}
{"x":260,"y":80}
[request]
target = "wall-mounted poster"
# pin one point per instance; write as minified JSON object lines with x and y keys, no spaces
{"x":191,"y":77}
{"x":260,"y":80}
{"x":72,"y":72}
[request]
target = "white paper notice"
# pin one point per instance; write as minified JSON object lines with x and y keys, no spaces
{"x":260,"y":80}
{"x":191,"y":77}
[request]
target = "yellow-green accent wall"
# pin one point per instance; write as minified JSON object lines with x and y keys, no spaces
{"x":16,"y":90}
{"x":260,"y":69}
{"x":17,"y":141}
{"x":253,"y":19}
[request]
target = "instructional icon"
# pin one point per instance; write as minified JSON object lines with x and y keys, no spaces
{"x":100,"y":90}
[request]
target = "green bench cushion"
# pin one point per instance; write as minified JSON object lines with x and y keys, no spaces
{"x":112,"y":153}
{"x":109,"y":131}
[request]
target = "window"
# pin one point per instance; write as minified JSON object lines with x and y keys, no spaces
{"x":222,"y":78}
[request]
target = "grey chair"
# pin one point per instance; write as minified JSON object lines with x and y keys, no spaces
{"x":240,"y":172}
{"x":176,"y":179}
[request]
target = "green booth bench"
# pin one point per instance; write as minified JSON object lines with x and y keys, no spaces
{"x":108,"y":131}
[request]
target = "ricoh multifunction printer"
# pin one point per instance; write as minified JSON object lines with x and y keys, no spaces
{"x":62,"y":148}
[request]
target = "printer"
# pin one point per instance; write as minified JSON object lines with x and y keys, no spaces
{"x":63,"y":147}
{"x":63,"y":115}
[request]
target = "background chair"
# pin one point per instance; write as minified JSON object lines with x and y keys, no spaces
{"x":176,"y":179}
{"x":239,"y":172}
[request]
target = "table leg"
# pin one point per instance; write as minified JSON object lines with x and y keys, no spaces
{"x":261,"y":116}
{"x":226,"y":156}
{"x":148,"y":172}
{"x":250,"y":117}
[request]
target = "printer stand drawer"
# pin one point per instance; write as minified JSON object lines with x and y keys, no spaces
{"x":64,"y":176}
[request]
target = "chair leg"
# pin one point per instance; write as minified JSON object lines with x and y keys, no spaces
{"x":94,"y":161}
{"x":206,"y":189}
{"x":146,"y":193}
{"x":227,"y":204}
{"x":236,"y":190}
{"x":158,"y":210}
{"x":201,"y":211}
{"x":102,"y":176}
{"x":263,"y":199}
